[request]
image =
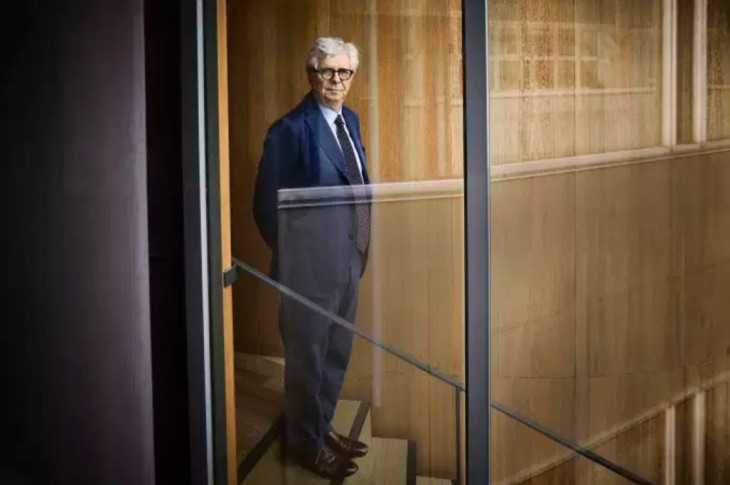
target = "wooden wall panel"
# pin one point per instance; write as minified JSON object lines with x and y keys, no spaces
{"x":529,"y":451}
{"x":573,"y":77}
{"x":639,"y":449}
{"x":717,"y":468}
{"x":718,"y":69}
{"x":408,"y":93}
{"x":685,"y":71}
{"x":685,"y":419}
{"x":417,"y":308}
{"x":609,"y":299}
{"x":529,"y":233}
{"x":607,"y":283}
{"x":631,"y":264}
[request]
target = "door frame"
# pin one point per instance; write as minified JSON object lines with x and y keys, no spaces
{"x":211,"y":386}
{"x":207,"y":252}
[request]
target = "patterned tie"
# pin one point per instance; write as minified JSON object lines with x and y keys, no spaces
{"x":353,"y":173}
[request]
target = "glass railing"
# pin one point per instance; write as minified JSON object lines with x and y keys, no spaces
{"x":386,"y":325}
{"x":609,"y":279}
{"x":406,"y":410}
{"x":609,"y":269}
{"x":609,"y":314}
{"x":399,"y":354}
{"x":409,"y":412}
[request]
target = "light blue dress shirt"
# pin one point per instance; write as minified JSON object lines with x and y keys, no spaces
{"x":331,"y":115}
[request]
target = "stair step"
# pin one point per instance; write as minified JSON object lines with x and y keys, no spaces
{"x":385,"y":464}
{"x":254,"y":417}
{"x":271,"y":471}
{"x":366,"y":434}
{"x":432,"y":481}
{"x":261,"y":387}
{"x":259,"y":402}
{"x":271,"y":367}
{"x":344,"y":416}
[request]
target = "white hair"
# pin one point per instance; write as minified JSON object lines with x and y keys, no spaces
{"x":325,"y":47}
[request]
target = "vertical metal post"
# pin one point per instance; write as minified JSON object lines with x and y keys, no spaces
{"x":457,"y":434}
{"x":217,"y":405}
{"x":476,"y":179}
{"x":195,"y":207}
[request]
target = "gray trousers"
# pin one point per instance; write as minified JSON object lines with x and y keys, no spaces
{"x":317,"y":352}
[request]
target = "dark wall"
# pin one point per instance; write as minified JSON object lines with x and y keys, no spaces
{"x":166,"y":239}
{"x":85,"y":274}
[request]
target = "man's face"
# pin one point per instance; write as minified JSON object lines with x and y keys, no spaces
{"x":331,"y":92}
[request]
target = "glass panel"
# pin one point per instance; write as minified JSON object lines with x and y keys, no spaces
{"x":718,"y":69}
{"x":609,"y":301}
{"x":410,"y":306}
{"x":535,"y":459}
{"x":363,"y":218}
{"x":607,"y":283}
{"x":408,"y":419}
{"x":406,"y":404}
{"x":573,"y":77}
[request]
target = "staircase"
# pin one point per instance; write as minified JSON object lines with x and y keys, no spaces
{"x":259,"y":394}
{"x":259,"y":401}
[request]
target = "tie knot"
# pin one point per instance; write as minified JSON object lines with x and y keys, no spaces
{"x":339,"y":121}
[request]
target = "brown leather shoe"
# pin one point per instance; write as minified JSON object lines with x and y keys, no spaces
{"x":346,"y":446}
{"x":325,"y":463}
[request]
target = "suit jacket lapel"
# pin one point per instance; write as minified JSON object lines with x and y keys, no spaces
{"x":316,"y":122}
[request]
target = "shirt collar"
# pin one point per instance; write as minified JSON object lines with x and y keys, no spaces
{"x":329,"y":114}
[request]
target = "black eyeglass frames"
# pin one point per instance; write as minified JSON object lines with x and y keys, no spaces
{"x":329,"y":73}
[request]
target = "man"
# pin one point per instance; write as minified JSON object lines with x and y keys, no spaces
{"x":320,"y":252}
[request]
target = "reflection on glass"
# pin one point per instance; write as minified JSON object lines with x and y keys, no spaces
{"x":410,"y":316}
{"x":360,"y":208}
{"x":387,"y":404}
{"x":540,"y":460}
{"x":608,"y":324}
{"x":573,"y":77}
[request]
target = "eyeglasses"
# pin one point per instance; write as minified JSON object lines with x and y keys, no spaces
{"x":329,"y":73}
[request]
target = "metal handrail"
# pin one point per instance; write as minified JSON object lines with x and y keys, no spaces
{"x":591,"y":455}
{"x":436,"y":373}
{"x":349,"y":326}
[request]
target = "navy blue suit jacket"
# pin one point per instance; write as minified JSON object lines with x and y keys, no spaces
{"x":311,"y":246}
